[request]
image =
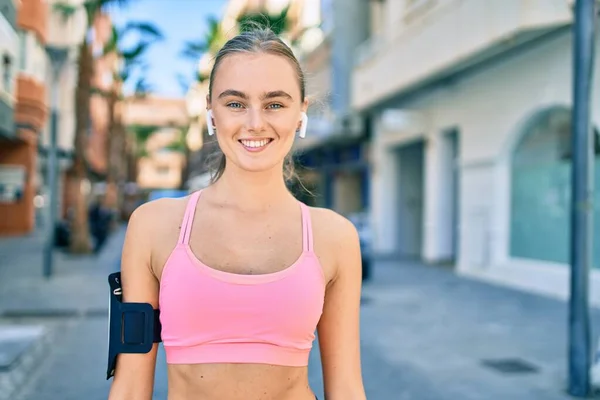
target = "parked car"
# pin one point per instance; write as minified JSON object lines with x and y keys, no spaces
{"x":361,"y":222}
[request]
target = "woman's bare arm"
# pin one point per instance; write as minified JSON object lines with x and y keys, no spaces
{"x":339,"y":328}
{"x":134,"y":374}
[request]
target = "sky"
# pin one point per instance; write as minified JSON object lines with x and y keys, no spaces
{"x":178,"y":20}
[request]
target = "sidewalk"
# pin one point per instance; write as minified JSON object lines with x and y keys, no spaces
{"x":78,"y":283}
{"x":34,"y":310}
{"x":449,"y":337}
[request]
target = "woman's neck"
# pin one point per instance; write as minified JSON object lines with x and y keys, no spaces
{"x":252,"y":191}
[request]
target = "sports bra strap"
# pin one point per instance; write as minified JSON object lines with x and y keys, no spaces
{"x":307,"y":235}
{"x":188,"y":218}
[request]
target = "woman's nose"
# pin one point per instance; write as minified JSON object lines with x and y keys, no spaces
{"x":255,"y":121}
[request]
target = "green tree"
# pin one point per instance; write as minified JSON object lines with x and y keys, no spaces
{"x":193,"y":50}
{"x":80,"y":242}
{"x":215,"y":37}
{"x":131,"y":60}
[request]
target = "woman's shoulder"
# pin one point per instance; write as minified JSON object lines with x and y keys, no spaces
{"x":332,"y":227}
{"x":158,"y":213}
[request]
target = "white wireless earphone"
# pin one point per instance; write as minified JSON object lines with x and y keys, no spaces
{"x":301,"y":131}
{"x":209,"y":123}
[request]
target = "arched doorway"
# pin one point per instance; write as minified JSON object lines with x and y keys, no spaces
{"x":541,"y":189}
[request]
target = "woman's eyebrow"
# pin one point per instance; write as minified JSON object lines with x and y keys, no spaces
{"x":276,"y":93}
{"x":266,"y":95}
{"x":233,"y":92}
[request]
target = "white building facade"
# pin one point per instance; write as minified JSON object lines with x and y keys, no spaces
{"x":471,"y":157}
{"x":9,"y":46}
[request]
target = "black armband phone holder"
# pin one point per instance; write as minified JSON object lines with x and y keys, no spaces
{"x":132,"y":327}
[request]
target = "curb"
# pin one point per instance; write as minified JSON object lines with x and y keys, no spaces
{"x":54,"y":313}
{"x":12,"y":381}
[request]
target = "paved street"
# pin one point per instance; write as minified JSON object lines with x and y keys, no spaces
{"x":425,"y":332}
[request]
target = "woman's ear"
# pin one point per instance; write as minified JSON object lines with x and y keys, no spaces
{"x":305,"y":105}
{"x":303,"y":125}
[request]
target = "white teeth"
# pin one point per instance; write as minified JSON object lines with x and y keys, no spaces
{"x":255,"y":143}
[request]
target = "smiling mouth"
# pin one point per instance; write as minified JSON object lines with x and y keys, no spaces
{"x":255,"y":145}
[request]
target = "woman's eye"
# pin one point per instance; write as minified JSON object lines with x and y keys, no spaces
{"x":234,"y":105}
{"x":275,"y":106}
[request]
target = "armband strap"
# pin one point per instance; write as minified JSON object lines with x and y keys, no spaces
{"x":132,"y":327}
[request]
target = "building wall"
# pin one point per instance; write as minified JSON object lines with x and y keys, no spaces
{"x":155,"y":111}
{"x":162,"y":168}
{"x":489,"y":109}
{"x":350,"y":29}
{"x":8,"y":64}
{"x":30,"y":114}
{"x":17,"y":217}
{"x":423,"y":40}
{"x":66,"y":33}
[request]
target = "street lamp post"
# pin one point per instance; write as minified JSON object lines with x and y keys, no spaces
{"x":581,"y":203}
{"x":57,"y":57}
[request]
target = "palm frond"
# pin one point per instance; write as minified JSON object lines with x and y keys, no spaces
{"x":98,"y":91}
{"x":142,"y":88}
{"x":178,"y":145}
{"x":65,"y":10}
{"x":121,"y":4}
{"x":145,"y":29}
{"x":193,"y":50}
{"x":122,"y":75}
{"x":133,"y":56}
{"x":142,"y":133}
{"x":91,"y":8}
{"x":112,"y":46}
{"x":200,"y":77}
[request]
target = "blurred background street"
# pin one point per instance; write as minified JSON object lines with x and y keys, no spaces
{"x":461,"y":137}
{"x":426,"y":333}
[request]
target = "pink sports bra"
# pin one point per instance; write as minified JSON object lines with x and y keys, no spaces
{"x":212,"y":316}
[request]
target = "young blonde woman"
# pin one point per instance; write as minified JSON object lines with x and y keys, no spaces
{"x":242,"y":272}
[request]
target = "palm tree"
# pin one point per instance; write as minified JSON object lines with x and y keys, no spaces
{"x":131,"y":60}
{"x":80,"y":238}
{"x":213,"y":40}
{"x":135,"y":136}
{"x":215,"y":37}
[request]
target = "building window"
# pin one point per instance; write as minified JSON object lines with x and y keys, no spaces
{"x":39,"y":71}
{"x":541,"y":181}
{"x":7,"y":73}
{"x":23,"y":50}
{"x":162,"y":170}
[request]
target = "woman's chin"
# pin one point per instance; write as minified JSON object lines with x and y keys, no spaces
{"x":258,"y":165}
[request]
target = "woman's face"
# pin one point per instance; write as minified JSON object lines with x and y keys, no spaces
{"x":256,"y":109}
